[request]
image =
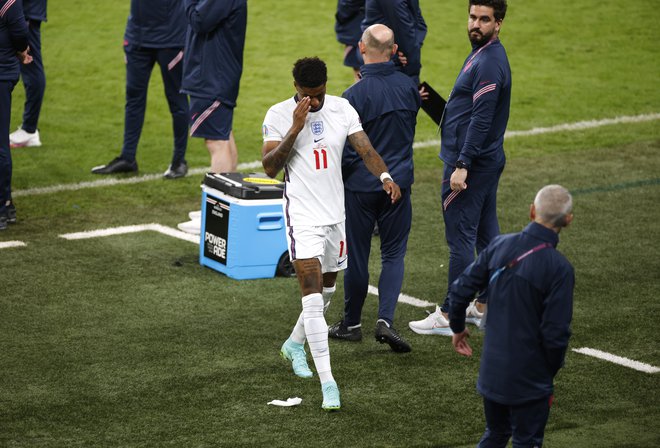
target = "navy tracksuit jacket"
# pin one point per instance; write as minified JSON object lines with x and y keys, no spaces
{"x":473,"y":127}
{"x":214,"y":49}
{"x":155,"y":33}
{"x":33,"y":75}
{"x":405,"y":19}
{"x":387,"y":102}
{"x":13,"y":38}
{"x":530,"y":307}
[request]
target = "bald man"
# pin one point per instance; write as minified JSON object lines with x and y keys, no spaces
{"x":387,"y":102}
{"x":530,"y":305}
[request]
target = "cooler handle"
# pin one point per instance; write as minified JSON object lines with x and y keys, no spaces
{"x":270,"y":221}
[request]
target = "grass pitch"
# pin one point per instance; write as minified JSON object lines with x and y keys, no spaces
{"x":127,"y":341}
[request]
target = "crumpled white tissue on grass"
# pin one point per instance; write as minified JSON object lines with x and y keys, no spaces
{"x":289,"y":402}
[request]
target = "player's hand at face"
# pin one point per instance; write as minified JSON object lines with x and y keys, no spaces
{"x":393,"y":190}
{"x":300,"y":114}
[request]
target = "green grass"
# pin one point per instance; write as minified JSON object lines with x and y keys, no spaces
{"x":127,"y":341}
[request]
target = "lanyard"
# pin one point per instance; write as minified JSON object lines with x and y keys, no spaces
{"x":468,"y":64}
{"x":518,"y":259}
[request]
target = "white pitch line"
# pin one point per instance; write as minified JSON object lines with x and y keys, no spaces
{"x":577,"y":126}
{"x":636,"y":365}
{"x":132,"y":229}
{"x":9,"y":244}
{"x":256,"y":164}
{"x":403,"y":298}
{"x":108,"y":182}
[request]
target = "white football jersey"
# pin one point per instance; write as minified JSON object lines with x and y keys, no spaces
{"x":314,"y":189}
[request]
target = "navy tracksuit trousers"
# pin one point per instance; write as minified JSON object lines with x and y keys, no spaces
{"x":6,"y":87}
{"x":34,"y":79}
{"x":363,"y":210}
{"x":139,"y":65}
{"x":470,"y":220}
{"x":526,"y":422}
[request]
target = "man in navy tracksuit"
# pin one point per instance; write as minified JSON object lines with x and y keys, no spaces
{"x":404,"y":18}
{"x":13,"y":50}
{"x":472,"y":150}
{"x":387,"y":102}
{"x":34,"y":78}
{"x":348,"y":27}
{"x":212,"y":72}
{"x":530,"y":306}
{"x":155,"y":33}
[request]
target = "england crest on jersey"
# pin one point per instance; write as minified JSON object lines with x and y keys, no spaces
{"x":317,"y":127}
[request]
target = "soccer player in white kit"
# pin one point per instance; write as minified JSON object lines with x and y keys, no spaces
{"x":305,"y":135}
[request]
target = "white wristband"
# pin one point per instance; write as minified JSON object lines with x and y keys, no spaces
{"x":384,"y":176}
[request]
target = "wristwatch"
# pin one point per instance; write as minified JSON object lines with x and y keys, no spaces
{"x":462,"y":165}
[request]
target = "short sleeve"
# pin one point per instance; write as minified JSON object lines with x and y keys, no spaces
{"x":354,"y":123}
{"x":272,"y":128}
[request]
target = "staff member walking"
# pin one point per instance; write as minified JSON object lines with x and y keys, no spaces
{"x":530,"y":306}
{"x":13,"y":50}
{"x":387,"y":102}
{"x":155,"y":33}
{"x":472,"y":150}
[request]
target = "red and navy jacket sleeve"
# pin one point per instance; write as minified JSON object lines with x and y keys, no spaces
{"x":489,"y":79}
{"x":11,"y":13}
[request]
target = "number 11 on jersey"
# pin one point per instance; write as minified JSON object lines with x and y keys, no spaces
{"x":321,"y":158}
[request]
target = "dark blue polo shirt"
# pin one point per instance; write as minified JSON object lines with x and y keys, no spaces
{"x":387,"y":102}
{"x":156,"y":24}
{"x":530,"y":307}
{"x":348,"y":21}
{"x":477,"y":111}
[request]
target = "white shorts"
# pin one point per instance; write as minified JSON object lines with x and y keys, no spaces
{"x":327,"y":243}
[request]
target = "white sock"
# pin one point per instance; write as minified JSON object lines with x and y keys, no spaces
{"x":298,"y":333}
{"x":327,"y":296}
{"x":316,"y":330}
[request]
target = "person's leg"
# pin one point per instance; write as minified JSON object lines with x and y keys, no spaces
{"x":224,"y":154}
{"x":461,"y":211}
{"x":394,"y":223}
{"x":139,"y":64}
{"x":498,"y":425}
{"x":489,"y":226}
{"x":34,"y":79}
{"x":360,"y":219}
{"x":212,"y":121}
{"x":528,"y":423}
{"x":171,"y":68}
{"x":6,"y":88}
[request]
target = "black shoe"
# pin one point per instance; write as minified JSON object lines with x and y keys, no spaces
{"x":340,"y":331}
{"x":176,"y":171}
{"x":117,"y":165}
{"x":389,"y":335}
{"x":11,"y":213}
{"x":3,"y":221}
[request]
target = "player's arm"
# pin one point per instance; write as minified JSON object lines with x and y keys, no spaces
{"x":374,"y":163}
{"x":274,"y":154}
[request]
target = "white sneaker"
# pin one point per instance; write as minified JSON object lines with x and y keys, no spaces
{"x":20,"y":138}
{"x":195,"y":215}
{"x":435,"y":323}
{"x":472,"y":314}
{"x":193,"y":226}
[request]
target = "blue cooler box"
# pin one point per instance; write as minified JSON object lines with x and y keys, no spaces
{"x":243,"y":237}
